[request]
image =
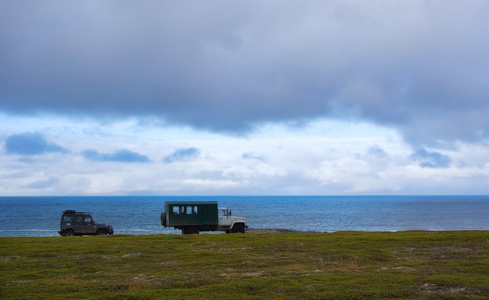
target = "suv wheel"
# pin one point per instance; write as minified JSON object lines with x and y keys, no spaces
{"x":102,"y":232}
{"x":69,"y":233}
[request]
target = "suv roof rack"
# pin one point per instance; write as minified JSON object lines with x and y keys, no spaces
{"x":74,"y":212}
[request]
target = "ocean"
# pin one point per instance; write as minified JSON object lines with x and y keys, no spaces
{"x":40,"y":216}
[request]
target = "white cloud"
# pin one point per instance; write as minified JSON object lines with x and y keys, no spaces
{"x":322,"y":157}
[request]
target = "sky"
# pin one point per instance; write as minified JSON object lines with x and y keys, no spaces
{"x":244,"y":97}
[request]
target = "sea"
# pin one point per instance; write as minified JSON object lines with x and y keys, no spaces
{"x":133,"y":215}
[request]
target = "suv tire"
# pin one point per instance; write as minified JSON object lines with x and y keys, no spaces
{"x":69,"y":233}
{"x":102,"y":232}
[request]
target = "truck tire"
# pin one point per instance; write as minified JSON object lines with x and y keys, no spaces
{"x":163,"y":219}
{"x":190,"y":230}
{"x":238,"y":228}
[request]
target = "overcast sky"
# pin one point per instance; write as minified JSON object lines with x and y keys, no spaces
{"x":244,"y":97}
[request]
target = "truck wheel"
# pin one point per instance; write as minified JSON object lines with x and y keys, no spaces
{"x":69,"y":233}
{"x":238,"y":228}
{"x":191,"y":230}
{"x":163,"y":219}
{"x":102,"y":232}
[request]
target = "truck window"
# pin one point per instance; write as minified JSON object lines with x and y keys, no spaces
{"x":191,"y":209}
{"x":185,"y":209}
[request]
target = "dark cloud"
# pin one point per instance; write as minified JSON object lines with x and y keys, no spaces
{"x":30,"y":144}
{"x":117,"y":156}
{"x":182,"y":154}
{"x":429,"y":159}
{"x":418,"y":66}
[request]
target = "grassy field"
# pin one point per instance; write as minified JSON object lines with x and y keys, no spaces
{"x":343,"y":265}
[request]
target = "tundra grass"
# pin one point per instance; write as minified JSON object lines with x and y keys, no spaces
{"x":342,"y":265}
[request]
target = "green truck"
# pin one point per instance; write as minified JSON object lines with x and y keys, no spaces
{"x":193,"y":217}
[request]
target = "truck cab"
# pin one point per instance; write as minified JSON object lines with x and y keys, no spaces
{"x":229,"y":223}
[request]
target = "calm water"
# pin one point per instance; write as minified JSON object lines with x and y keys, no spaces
{"x":39,"y":216}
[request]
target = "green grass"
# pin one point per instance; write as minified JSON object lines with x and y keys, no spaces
{"x":343,"y":265}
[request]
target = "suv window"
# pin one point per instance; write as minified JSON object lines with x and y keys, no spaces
{"x":78,"y":220}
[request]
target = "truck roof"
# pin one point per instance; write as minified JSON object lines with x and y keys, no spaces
{"x":187,"y":202}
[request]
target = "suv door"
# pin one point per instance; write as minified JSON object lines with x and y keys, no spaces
{"x":78,"y":225}
{"x":88,"y":224}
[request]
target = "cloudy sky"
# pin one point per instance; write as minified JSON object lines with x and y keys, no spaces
{"x":244,"y":97}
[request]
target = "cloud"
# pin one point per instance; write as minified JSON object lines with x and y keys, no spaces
{"x":182,"y":154}
{"x":31,"y":144}
{"x":252,"y":157}
{"x":41,"y":184}
{"x":117,"y":156}
{"x":296,"y":162}
{"x":418,"y":66}
{"x":429,"y":159}
{"x":377,"y":151}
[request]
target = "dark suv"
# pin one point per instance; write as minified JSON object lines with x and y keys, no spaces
{"x":81,"y":223}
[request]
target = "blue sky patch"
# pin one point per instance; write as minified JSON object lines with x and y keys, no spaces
{"x":182,"y":154}
{"x":117,"y":156}
{"x":31,"y":144}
